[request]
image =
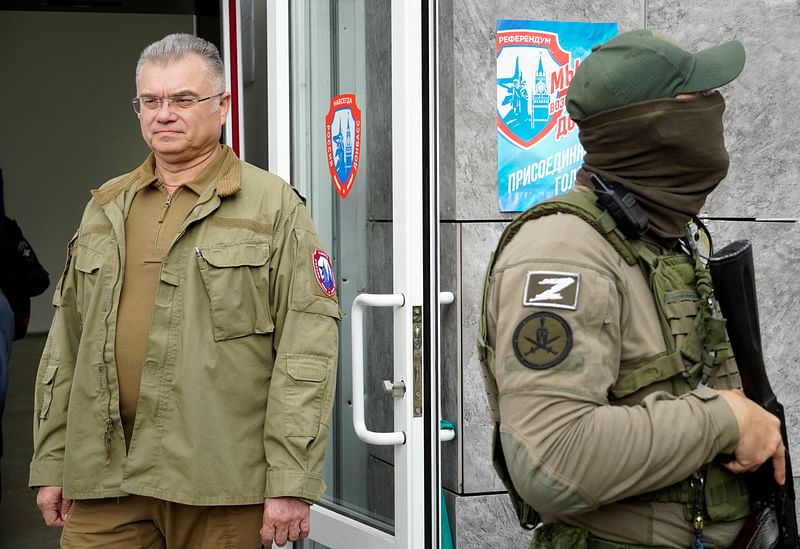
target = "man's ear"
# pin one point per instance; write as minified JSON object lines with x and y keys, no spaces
{"x":224,"y":106}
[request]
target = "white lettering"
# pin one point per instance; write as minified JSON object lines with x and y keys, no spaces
{"x":566,"y":182}
{"x":524,"y":39}
{"x":553,"y":293}
{"x":554,"y":164}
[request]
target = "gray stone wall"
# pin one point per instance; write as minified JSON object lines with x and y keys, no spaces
{"x":762,"y":137}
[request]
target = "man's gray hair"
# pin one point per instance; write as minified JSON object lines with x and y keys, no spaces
{"x":175,"y":47}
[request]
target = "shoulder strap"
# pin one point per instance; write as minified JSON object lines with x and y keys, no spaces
{"x":584,"y":205}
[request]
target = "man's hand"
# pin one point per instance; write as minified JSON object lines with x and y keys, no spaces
{"x":285,"y":519}
{"x":53,"y":506}
{"x":759,"y":437}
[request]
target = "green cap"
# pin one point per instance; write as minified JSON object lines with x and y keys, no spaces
{"x":640,"y":65}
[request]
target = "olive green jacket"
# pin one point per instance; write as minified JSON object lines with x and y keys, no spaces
{"x":237,"y":386}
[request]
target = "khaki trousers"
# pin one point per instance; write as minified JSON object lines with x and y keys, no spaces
{"x":138,"y":522}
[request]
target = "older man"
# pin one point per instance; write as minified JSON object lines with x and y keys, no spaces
{"x":614,"y":395}
{"x":184,"y":395}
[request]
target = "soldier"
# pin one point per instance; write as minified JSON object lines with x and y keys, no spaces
{"x":612,"y":394}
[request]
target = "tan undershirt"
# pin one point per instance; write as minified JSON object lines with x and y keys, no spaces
{"x":153,"y":222}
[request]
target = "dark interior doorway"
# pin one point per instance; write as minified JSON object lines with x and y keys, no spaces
{"x":207,"y":12}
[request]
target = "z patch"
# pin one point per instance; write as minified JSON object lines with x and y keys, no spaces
{"x":552,"y":289}
{"x":542,"y":340}
{"x":324,"y":272}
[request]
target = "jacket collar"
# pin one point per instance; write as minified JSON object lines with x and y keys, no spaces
{"x":227,"y":181}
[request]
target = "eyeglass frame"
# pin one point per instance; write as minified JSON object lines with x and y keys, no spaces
{"x":169,"y":101}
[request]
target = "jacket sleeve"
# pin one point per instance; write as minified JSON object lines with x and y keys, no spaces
{"x":306,"y":343}
{"x":567,"y":448}
{"x":54,"y":381}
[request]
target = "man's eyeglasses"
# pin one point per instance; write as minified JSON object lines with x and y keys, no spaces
{"x":151,"y":103}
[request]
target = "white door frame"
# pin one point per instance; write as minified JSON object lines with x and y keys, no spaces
{"x":415,"y":250}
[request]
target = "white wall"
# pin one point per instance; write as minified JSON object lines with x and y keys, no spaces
{"x":66,"y":80}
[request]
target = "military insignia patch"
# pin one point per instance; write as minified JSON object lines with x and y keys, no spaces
{"x":552,"y":289}
{"x":324,"y":272}
{"x":542,"y":340}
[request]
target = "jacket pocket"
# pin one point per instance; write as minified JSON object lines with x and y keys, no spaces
{"x":305,"y":390}
{"x":90,"y":266}
{"x":88,"y":263}
{"x":64,"y":273}
{"x":236,"y":278}
{"x":47,"y":383}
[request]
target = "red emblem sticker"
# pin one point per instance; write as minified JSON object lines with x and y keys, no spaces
{"x":343,"y":141}
{"x":324,"y":272}
{"x":528,"y":104}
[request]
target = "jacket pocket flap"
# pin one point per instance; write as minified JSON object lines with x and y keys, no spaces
{"x":252,"y":253}
{"x":87,"y":260}
{"x":303,"y":369}
{"x":49,"y":373}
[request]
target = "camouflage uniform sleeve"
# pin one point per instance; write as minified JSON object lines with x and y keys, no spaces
{"x":559,"y":310}
{"x":54,"y":380}
{"x":306,"y":343}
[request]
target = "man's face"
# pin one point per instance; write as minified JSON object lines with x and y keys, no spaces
{"x":178,"y":134}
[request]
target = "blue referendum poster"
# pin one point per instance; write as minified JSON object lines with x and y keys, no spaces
{"x":538,"y":152}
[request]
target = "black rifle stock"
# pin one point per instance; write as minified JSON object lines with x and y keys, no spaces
{"x":734,"y":286}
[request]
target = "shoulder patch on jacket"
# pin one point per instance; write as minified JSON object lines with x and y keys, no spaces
{"x":324,"y":272}
{"x":552,"y":289}
{"x":542,"y":340}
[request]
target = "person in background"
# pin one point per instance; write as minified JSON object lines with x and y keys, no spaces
{"x":616,"y":402}
{"x":184,"y":395}
{"x":21,"y":277}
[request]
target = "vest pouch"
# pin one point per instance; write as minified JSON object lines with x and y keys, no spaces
{"x":726,"y":495}
{"x":673,"y":281}
{"x":560,"y":536}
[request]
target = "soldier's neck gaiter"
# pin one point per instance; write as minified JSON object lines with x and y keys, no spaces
{"x":670,"y":153}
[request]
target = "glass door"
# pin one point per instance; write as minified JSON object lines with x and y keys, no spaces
{"x":359,"y":109}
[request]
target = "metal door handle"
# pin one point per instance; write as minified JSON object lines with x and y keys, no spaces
{"x":446,"y":435}
{"x":357,"y":340}
{"x":446,"y":298}
{"x":396,"y":389}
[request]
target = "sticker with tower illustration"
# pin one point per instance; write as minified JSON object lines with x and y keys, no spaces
{"x":343,"y":141}
{"x":538,"y":152}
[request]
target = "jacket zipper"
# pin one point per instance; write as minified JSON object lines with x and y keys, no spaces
{"x":164,"y":210}
{"x":109,"y":431}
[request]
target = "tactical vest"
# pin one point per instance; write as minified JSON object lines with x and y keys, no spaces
{"x":694,"y":335}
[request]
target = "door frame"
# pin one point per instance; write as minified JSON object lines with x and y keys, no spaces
{"x":230,"y":21}
{"x":415,"y":270}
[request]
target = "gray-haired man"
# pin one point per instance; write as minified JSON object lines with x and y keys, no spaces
{"x":184,"y":395}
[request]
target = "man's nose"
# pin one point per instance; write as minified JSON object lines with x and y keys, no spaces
{"x":165,"y":110}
